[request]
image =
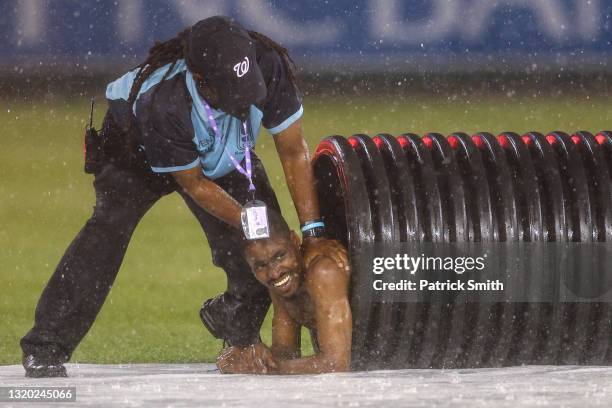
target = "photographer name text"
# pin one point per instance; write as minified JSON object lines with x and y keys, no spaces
{"x":437,"y":285}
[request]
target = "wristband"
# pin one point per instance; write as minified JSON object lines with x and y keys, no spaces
{"x":312,"y":224}
{"x":313,"y":229}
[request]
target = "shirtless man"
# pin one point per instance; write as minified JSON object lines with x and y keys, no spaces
{"x":316,"y":298}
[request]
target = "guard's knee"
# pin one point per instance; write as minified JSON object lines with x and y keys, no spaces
{"x":228,"y":257}
{"x":116,"y":221}
{"x":116,"y":214}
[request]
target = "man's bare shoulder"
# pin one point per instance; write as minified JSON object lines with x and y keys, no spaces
{"x":324,"y":275}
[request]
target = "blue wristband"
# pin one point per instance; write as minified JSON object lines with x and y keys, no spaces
{"x":310,"y":225}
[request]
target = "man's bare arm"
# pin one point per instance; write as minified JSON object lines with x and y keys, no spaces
{"x":258,"y":359}
{"x":286,"y":335}
{"x":209,"y":195}
{"x":328,"y":287}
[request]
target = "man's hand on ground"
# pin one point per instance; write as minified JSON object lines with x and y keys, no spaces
{"x":331,"y":248}
{"x":253,"y":359}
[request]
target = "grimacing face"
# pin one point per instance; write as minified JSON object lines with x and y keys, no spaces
{"x":277,"y":263}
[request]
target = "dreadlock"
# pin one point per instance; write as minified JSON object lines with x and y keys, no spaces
{"x":160,"y":54}
{"x":282,"y":51}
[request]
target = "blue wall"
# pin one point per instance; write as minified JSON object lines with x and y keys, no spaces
{"x":332,"y":34}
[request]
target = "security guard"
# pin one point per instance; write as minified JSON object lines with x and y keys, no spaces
{"x":185,"y":120}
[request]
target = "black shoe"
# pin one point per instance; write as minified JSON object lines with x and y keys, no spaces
{"x":39,"y":367}
{"x":214,"y":316}
{"x":233,"y":320}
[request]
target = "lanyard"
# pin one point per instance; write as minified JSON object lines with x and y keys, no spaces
{"x":248,"y":171}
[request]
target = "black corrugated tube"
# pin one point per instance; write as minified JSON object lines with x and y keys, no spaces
{"x":460,"y":188}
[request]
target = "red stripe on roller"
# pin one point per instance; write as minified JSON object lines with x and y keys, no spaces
{"x":601,"y":139}
{"x":551,"y":139}
{"x":503,"y":141}
{"x":527,"y":140}
{"x":576,"y":139}
{"x":453,"y":142}
{"x":403,"y":142}
{"x":354,"y":142}
{"x":478,"y":141}
{"x":378,"y":142}
{"x":428,"y":142}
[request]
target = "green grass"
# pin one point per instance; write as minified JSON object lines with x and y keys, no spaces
{"x":151,"y":312}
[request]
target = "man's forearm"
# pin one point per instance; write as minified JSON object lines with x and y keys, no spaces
{"x":302,"y":185}
{"x":217,"y":202}
{"x":316,"y":364}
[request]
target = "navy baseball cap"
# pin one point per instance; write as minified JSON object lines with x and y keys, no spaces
{"x":223,"y":52}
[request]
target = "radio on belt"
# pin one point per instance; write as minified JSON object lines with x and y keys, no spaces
{"x":254,"y":217}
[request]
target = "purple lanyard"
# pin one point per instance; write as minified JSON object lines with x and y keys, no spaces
{"x":248,"y":172}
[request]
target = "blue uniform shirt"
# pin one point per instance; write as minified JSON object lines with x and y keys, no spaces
{"x":173,"y":126}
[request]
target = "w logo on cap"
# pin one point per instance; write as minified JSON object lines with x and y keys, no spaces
{"x":242,"y":67}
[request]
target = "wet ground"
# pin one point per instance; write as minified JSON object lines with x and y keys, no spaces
{"x":200,"y":385}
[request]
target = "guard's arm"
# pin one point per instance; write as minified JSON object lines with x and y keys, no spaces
{"x":294,"y":155}
{"x":295,"y":158}
{"x":328,"y":287}
{"x":209,"y":195}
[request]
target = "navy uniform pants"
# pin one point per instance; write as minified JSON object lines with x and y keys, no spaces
{"x":83,"y":278}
